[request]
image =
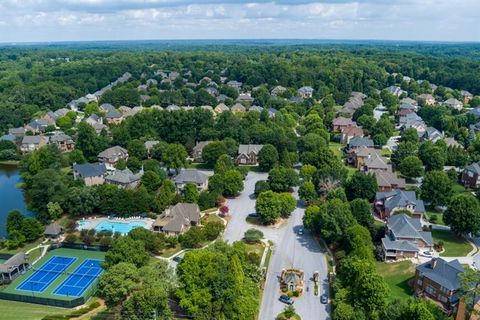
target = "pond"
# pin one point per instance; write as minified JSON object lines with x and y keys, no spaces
{"x":10,"y":196}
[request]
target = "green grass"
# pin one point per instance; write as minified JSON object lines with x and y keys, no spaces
{"x":437,"y":214}
{"x":396,"y":276}
{"x":198,"y":165}
{"x":168,"y":252}
{"x":386,"y":152}
{"x":267,"y":258}
{"x":257,"y":248}
{"x":25,"y":248}
{"x":211,"y":218}
{"x":81,"y":256}
{"x":10,"y":162}
{"x":336,"y":149}
{"x":454,"y":246}
{"x":34,"y":255}
{"x":26,"y":311}
{"x":458,"y":188}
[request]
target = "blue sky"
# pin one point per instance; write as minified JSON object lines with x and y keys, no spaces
{"x":72,"y":20}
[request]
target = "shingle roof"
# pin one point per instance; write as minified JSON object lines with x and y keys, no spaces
{"x":191,"y":175}
{"x":474,"y":167}
{"x":402,"y":226}
{"x":125,"y":176}
{"x":444,"y":273}
{"x":400,"y":245}
{"x":34,"y":139}
{"x":53,"y":229}
{"x":248,"y":148}
{"x":388,"y":179}
{"x":113,"y":152}
{"x":361,"y":141}
{"x":177,"y":216}
{"x":13,"y":262}
{"x":87,"y":170}
{"x":113,"y":114}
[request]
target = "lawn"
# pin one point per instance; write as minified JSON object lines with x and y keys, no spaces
{"x":454,"y":246}
{"x":439,"y":216}
{"x":336,"y":149}
{"x":257,"y":248}
{"x":458,"y":188}
{"x":211,"y":218}
{"x":25,"y":248}
{"x":198,"y":166}
{"x":168,"y":252}
{"x":397,"y":276}
{"x":26,"y":311}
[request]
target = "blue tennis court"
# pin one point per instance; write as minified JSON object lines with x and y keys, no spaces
{"x":41,"y":278}
{"x":80,"y":279}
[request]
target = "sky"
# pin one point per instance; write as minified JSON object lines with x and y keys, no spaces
{"x":83,"y":20}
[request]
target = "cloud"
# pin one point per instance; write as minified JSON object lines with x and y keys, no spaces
{"x":49,"y":20}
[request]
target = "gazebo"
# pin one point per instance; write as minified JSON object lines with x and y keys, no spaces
{"x":53,"y":230}
{"x":13,"y":267}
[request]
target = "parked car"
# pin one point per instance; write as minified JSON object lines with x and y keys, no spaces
{"x":253,"y":215}
{"x":300,"y":232}
{"x":427,"y":254}
{"x":177,"y":259}
{"x":286,"y":299}
{"x":324,"y":299}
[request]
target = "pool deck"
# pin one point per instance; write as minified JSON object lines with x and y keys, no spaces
{"x":92,"y":223}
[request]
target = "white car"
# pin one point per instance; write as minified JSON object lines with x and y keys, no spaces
{"x":427,"y":254}
{"x":300,"y":232}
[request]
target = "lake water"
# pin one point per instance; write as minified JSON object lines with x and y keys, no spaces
{"x":10,"y":197}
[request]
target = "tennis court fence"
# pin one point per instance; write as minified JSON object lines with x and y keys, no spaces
{"x":45,"y":301}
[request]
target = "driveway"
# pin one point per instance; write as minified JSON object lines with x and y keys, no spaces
{"x":289,"y":250}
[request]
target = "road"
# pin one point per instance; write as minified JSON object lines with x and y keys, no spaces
{"x":302,"y":252}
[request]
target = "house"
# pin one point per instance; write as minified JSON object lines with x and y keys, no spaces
{"x":238,"y":108}
{"x":177,"y":219}
{"x":32,"y":143}
{"x":349,"y":133}
{"x":375,"y":162}
{"x":255,"y":109}
{"x":99,"y":127}
{"x":470,"y":176}
{"x":198,"y":149}
{"x":208,"y":108}
{"x":222,"y":97}
{"x":278,"y":90}
{"x":272,"y":112}
{"x":17,"y":132}
{"x":410,"y":117}
{"x":405,"y":109}
{"x":452,"y":143}
{"x":351,"y":106}
{"x":439,"y":280}
{"x":248,"y":153}
{"x":235,"y":84}
{"x":358,"y":142}
{"x":124,"y":179}
{"x":53,"y":230}
{"x":94,"y":119}
{"x":386,"y":203}
{"x":114,"y":117}
{"x":91,"y":173}
{"x":13,"y":267}
{"x":221,"y":108}
{"x":404,"y":238}
{"x":453,"y":103}
{"x":194,"y":176}
{"x":112,"y":155}
{"x":305,"y":92}
{"x":149,"y":146}
{"x":467,"y":96}
{"x":37,"y":126}
{"x":427,"y":99}
{"x":212,"y":91}
{"x":340,"y":123}
{"x":244,"y":97}
{"x":357,"y":156}
{"x":63,"y":142}
{"x":173,"y":107}
{"x":388,"y":181}
{"x":431,"y":134}
{"x":292,"y":280}
{"x":396,"y":91}
{"x":408,"y":100}
{"x":105,"y":107}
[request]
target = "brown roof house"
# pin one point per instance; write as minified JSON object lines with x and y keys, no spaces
{"x":53,"y":230}
{"x":427,"y":99}
{"x":112,"y":155}
{"x":375,"y":162}
{"x":177,"y":219}
{"x":32,"y":143}
{"x":439,"y":280}
{"x":63,"y":142}
{"x":404,"y":238}
{"x":91,"y":173}
{"x":350,"y":132}
{"x":388,"y":181}
{"x":453,"y":103}
{"x":194,"y":176}
{"x":238,"y":108}
{"x":221,"y":108}
{"x":357,"y":156}
{"x":340,"y":123}
{"x":467,"y":96}
{"x":248,"y":153}
{"x":13,"y":267}
{"x":198,"y":149}
{"x":471,"y":176}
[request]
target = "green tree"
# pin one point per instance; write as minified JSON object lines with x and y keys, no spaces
{"x":232,"y":182}
{"x":288,"y":204}
{"x":437,"y":188}
{"x":281,"y":179}
{"x":151,"y":180}
{"x":361,"y":185}
{"x":146,"y":303}
{"x":411,"y":167}
{"x":175,"y":157}
{"x":361,"y":211}
{"x":267,"y":157}
{"x":253,"y":236}
{"x":190,"y":193}
{"x":470,"y":288}
{"x":118,"y":282}
{"x":307,"y":191}
{"x":137,"y":149}
{"x":14,"y":221}
{"x":268,"y":206}
{"x":261,"y":186}
{"x":463,"y":214}
{"x":125,"y":249}
{"x":212,"y":152}
{"x":307,"y":171}
{"x":223,"y":164}
{"x":31,"y":229}
{"x":405,"y":149}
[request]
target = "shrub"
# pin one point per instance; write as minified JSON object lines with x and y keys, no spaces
{"x":71,"y":238}
{"x":296,"y":293}
{"x":253,"y":235}
{"x":261,"y":186}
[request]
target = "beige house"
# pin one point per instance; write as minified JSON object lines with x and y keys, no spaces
{"x":112,"y":155}
{"x":194,"y":176}
{"x":91,"y":173}
{"x":177,"y":219}
{"x":32,"y":143}
{"x":248,"y":153}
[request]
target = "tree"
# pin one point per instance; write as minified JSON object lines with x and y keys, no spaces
{"x":223,"y":164}
{"x":118,"y":282}
{"x":411,"y":167}
{"x":281,"y":179}
{"x":268,"y":207}
{"x":175,"y":156}
{"x":410,"y":135}
{"x":437,"y":188}
{"x":307,"y":171}
{"x":165,"y":195}
{"x":232,"y":183}
{"x":212,"y":152}
{"x":137,"y":149}
{"x":261,"y":186}
{"x":134,"y":164}
{"x":14,"y":221}
{"x":147,"y":302}
{"x":361,"y":185}
{"x":31,"y":229}
{"x":470,"y":287}
{"x":405,"y":149}
{"x":190,"y":193}
{"x":253,"y":236}
{"x":358,"y":242}
{"x":329,"y":177}
{"x":288,"y":204}
{"x":87,"y":141}
{"x":267,"y":157}
{"x":361,"y":211}
{"x":463,"y":214}
{"x":125,"y":249}
{"x":307,"y":191}
{"x":151,"y":180}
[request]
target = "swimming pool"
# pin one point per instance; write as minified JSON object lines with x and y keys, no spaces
{"x":114,"y":226}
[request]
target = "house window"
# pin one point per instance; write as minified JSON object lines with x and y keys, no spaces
{"x":470,"y":174}
{"x":444,"y":290}
{"x":419,"y":282}
{"x":443,"y":299}
{"x":430,"y":290}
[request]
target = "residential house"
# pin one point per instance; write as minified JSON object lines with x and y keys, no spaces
{"x":396,"y":91}
{"x":194,"y":176}
{"x":37,"y":126}
{"x":386,"y":203}
{"x":340,"y":123}
{"x":99,"y":127}
{"x":358,"y":142}
{"x":255,"y":109}
{"x":348,"y":133}
{"x":432,"y":134}
{"x":246,"y":98}
{"x":272,"y":112}
{"x":235,"y":84}
{"x":94,"y":119}
{"x":208,"y":108}
{"x":17,"y":132}
{"x":221,"y":108}
{"x":177,"y":219}
{"x":405,"y":109}
{"x":124,"y":179}
{"x":248,"y":153}
{"x":388,"y":181}
{"x":471,"y":176}
{"x":198,"y":149}
{"x":409,"y":100}
{"x":475,"y":112}
{"x":114,"y":117}
{"x":452,"y":143}
{"x":32,"y":143}
{"x":404,"y":238}
{"x":238,"y":108}
{"x":278,"y":90}
{"x":353,"y":103}
{"x":439,"y":280}
{"x":467,"y":96}
{"x":91,"y":173}
{"x":375,"y":162}
{"x":453,"y":103}
{"x":357,"y":156}
{"x":222,"y":97}
{"x":305,"y":92}
{"x":427,"y":99}
{"x":212,"y":91}
{"x":173,"y":107}
{"x":112,"y":155}
{"x":13,"y":267}
{"x":63,"y":142}
{"x":105,"y":107}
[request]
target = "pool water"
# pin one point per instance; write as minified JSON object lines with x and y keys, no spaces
{"x":121,"y":227}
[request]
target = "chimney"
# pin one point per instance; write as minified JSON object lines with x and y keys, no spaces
{"x":433,"y":263}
